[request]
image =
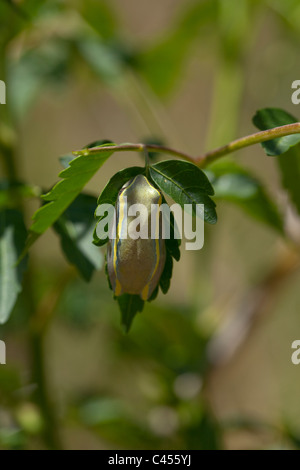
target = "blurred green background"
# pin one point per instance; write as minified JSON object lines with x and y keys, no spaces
{"x":208,"y":366}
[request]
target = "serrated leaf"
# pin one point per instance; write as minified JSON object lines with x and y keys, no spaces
{"x":75,"y":228}
{"x":75,"y":177}
{"x":12,"y":240}
{"x":129,"y":305}
{"x":110,"y":193}
{"x":165,"y":279}
{"x":66,"y":159}
{"x":269,"y":118}
{"x":185,"y":183}
{"x":237,"y":185}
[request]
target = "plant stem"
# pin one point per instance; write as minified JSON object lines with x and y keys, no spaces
{"x":147,"y":162}
{"x":134,"y":148}
{"x":9,"y":161}
{"x":42,"y":397}
{"x":36,"y":335}
{"x":40,"y":318}
{"x":206,"y":158}
{"x":41,"y":314}
{"x":247,"y":141}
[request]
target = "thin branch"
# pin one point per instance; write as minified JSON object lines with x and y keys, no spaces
{"x":39,"y":376}
{"x":209,"y":157}
{"x":247,"y":141}
{"x":46,"y":308}
{"x":135,"y":148}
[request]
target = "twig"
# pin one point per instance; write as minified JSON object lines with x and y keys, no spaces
{"x":207,"y":158}
{"x":247,"y":141}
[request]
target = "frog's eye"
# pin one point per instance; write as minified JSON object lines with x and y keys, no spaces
{"x":135,"y":265}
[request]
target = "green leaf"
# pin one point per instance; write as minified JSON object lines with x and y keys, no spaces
{"x":129,"y":305}
{"x":110,"y":193}
{"x":153,"y":295}
{"x":11,"y":192}
{"x":269,"y":118}
{"x":66,"y":159}
{"x":289,"y":162}
{"x":106,"y":273}
{"x":172,"y":243}
{"x":185,"y":183}
{"x":235,"y":184}
{"x":76,"y":176}
{"x":162,"y":64}
{"x":99,"y":143}
{"x":289,"y":165}
{"x":165,"y":279}
{"x":12,"y":240}
{"x":75,"y":228}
